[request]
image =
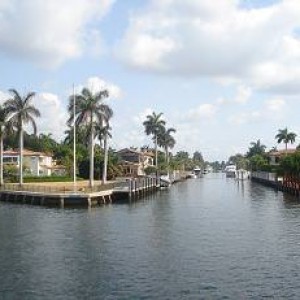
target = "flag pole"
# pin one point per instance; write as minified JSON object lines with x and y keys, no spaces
{"x":74,"y":139}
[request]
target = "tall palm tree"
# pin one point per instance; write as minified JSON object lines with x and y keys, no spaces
{"x":284,"y":136}
{"x":20,"y":112}
{"x":153,"y":125}
{"x":89,"y":110}
{"x":166,"y":140}
{"x":5,"y":127}
{"x":104,"y":134}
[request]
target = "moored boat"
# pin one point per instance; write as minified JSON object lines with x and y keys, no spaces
{"x":230,"y":171}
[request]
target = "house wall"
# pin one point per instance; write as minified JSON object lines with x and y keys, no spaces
{"x":34,"y":163}
{"x":274,"y":160}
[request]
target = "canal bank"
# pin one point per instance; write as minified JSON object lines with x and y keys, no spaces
{"x":67,"y":195}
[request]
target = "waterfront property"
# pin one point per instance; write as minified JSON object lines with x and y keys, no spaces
{"x":63,"y":194}
{"x":276,"y":156}
{"x":35,"y":163}
{"x":135,"y":162}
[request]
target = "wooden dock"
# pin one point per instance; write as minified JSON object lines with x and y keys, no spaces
{"x":68,"y":196}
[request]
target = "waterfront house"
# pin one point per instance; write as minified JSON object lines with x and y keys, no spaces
{"x":35,"y":163}
{"x":134,"y":162}
{"x":275,"y":156}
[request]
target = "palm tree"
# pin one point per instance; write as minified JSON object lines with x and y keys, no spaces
{"x":284,"y":136}
{"x":103,"y":134}
{"x":89,"y":111}
{"x":166,"y":140}
{"x":20,"y":112}
{"x":4,"y":129}
{"x":256,"y":148}
{"x":153,"y":125}
{"x":81,"y":136}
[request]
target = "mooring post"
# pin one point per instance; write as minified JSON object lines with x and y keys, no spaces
{"x":130,"y":188}
{"x":89,"y":202}
{"x":62,"y":202}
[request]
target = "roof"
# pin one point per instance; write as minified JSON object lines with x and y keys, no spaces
{"x":279,"y":153}
{"x":128,"y":150}
{"x":26,"y":152}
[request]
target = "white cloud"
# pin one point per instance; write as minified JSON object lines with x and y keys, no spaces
{"x":219,"y":39}
{"x":3,"y":97}
{"x":141,"y":117}
{"x":49,"y":32}
{"x":53,"y":114}
{"x":271,"y":110}
{"x":275,"y":105}
{"x":205,"y":111}
{"x":245,"y":117}
{"x":243,"y":94}
{"x":96,"y":84}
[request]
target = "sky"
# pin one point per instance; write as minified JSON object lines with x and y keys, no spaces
{"x":224,"y":73}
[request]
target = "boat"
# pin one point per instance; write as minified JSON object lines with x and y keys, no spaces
{"x":207,"y":170}
{"x":230,"y":171}
{"x":197,"y":171}
{"x":165,"y":181}
{"x":192,"y":175}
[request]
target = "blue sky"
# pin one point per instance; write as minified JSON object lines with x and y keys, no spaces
{"x":224,"y":73}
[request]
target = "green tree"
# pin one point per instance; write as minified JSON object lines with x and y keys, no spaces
{"x":166,"y":141}
{"x":286,"y":137}
{"x":89,"y":109}
{"x":5,"y":128}
{"x":153,"y":125}
{"x":257,"y":162}
{"x":20,"y":112}
{"x":256,"y":148}
{"x":291,"y":163}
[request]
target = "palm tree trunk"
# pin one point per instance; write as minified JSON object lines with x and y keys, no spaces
{"x":156,"y":164}
{"x":167,"y":161}
{"x":92,"y":155}
{"x":104,"y":174}
{"x":21,"y":154}
{"x":285,"y":148}
{"x":1,"y":159}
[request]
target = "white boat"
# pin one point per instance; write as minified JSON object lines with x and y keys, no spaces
{"x":197,"y":170}
{"x":192,"y":175}
{"x":230,"y":171}
{"x":165,"y":181}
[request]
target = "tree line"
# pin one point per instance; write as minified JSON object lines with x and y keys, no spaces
{"x":91,"y":116}
{"x":257,"y":158}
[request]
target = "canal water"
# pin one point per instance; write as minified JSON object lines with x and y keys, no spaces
{"x":205,"y":238}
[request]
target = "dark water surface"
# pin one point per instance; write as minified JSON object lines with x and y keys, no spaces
{"x":206,"y":238}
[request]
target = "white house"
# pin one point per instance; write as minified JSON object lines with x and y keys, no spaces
{"x":35,"y":163}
